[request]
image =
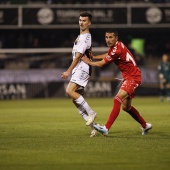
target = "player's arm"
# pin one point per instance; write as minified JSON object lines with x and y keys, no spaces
{"x":77,"y":58}
{"x":101,"y":56}
{"x":93,"y":63}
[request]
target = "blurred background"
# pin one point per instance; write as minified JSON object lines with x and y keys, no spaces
{"x":36,"y":39}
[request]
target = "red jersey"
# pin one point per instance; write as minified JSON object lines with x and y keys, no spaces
{"x":122,"y":57}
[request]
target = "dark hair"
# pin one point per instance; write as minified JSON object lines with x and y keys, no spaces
{"x":86,"y":14}
{"x":113,"y":30}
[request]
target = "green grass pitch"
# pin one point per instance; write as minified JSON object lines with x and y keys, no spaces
{"x":47,"y":134}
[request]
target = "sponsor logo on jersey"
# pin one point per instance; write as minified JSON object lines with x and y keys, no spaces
{"x":109,"y":58}
{"x":114,"y":50}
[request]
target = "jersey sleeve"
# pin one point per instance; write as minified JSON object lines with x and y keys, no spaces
{"x":108,"y":59}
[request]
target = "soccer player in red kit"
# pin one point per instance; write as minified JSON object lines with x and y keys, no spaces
{"x":131,"y":74}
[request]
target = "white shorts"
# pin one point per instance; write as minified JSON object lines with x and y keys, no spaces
{"x":80,"y":77}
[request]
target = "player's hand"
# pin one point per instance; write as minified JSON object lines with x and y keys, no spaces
{"x":161,"y":76}
{"x":85,"y":59}
{"x":162,"y":79}
{"x":65,"y":75}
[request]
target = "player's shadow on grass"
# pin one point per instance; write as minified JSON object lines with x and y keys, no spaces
{"x":137,"y":135}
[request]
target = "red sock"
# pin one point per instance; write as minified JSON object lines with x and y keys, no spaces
{"x":114,"y":113}
{"x":135,"y":114}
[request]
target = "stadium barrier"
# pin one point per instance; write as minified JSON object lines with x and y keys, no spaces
{"x":57,"y":89}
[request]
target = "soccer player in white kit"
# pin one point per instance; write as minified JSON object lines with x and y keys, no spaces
{"x":81,"y":71}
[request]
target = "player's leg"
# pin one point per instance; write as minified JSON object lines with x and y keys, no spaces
{"x":72,"y":87}
{"x":80,"y":78}
{"x":80,"y":102}
{"x":114,"y":113}
{"x":161,"y":90}
{"x":83,"y":105}
{"x":127,"y":107}
{"x":71,"y":90}
{"x":118,"y":99}
{"x":168,"y":91}
{"x":80,"y":109}
{"x":85,"y":116}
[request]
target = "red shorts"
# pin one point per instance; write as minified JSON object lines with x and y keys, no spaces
{"x":130,"y":86}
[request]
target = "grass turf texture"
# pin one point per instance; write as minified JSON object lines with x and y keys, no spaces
{"x":47,"y":134}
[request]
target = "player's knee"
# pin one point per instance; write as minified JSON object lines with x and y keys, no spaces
{"x":68,"y":92}
{"x":124,"y":108}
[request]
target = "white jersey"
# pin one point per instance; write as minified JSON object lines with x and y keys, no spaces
{"x":81,"y":45}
